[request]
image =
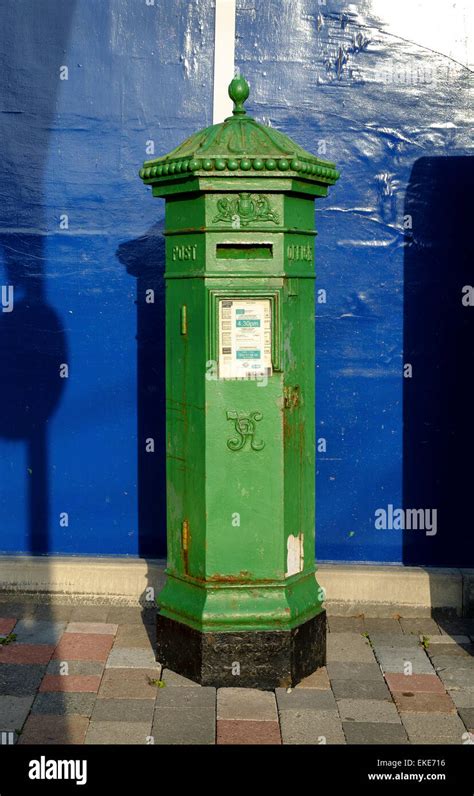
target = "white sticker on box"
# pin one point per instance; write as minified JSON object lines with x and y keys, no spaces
{"x":245,"y":338}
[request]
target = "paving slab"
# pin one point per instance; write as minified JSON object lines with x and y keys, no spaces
{"x":128,"y":684}
{"x":425,"y":728}
{"x":451,"y":650}
{"x":245,"y":733}
{"x":423,"y":626}
{"x":125,"y":614}
{"x":14,"y":711}
{"x":65,"y":668}
{"x":136,"y":636}
{"x":171,"y":678}
{"x":101,"y":628}
{"x":419,"y":683}
{"x":46,"y":729}
{"x":342,"y":624}
{"x":119,"y":733}
{"x":61,"y":704}
{"x":319,"y":679}
{"x":17,"y":610}
{"x":467,"y":716}
{"x":361,"y":689}
{"x":349,"y":647}
{"x":338,"y":670}
{"x":385,"y":626}
{"x":456,"y":677}
{"x":246,"y":704}
{"x":53,"y":613}
{"x":6,"y":625}
{"x":25,"y":653}
{"x":38,"y":631}
{"x":311,"y":727}
{"x":136,"y":658}
{"x":379,"y":733}
{"x":424,"y":703}
{"x":453,"y":662}
{"x":463,"y":697}
{"x":182,"y":697}
{"x":20,"y":680}
{"x":83,"y":647}
{"x":449,"y":639}
{"x":368,"y":710}
{"x":80,"y":683}
{"x":126,"y":710}
{"x":91,"y":613}
{"x":395,"y":641}
{"x":396,"y":662}
{"x":175,"y":726}
{"x":456,"y":627}
{"x":305,"y":699}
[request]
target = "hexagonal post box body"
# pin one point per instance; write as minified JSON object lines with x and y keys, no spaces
{"x":241,"y":605}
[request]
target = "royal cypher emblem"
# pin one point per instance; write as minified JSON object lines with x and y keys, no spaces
{"x":244,"y":209}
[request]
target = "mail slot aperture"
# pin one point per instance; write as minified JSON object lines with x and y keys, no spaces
{"x":244,"y":251}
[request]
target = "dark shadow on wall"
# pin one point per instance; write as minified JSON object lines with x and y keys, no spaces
{"x":144,"y":258}
{"x":438,"y":435}
{"x":33,"y":346}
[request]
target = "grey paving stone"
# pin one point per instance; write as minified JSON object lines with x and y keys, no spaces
{"x":378,"y":626}
{"x":344,"y":624}
{"x":467,"y":716}
{"x":20,"y":680}
{"x":428,"y":728}
{"x":17,"y":610}
{"x":395,"y":641}
{"x":453,"y":662}
{"x":13,"y":712}
{"x":124,"y":710}
{"x":175,"y":726}
{"x":463,"y":697}
{"x":360,"y":689}
{"x":368,"y":710}
{"x":456,"y":677}
{"x":337,"y":670}
{"x":456,"y":627}
{"x":62,"y":704}
{"x":182,"y":697}
{"x":359,"y":732}
{"x":90,"y":613}
{"x":135,"y":658}
{"x":53,"y":613}
{"x":125,"y":615}
{"x":305,"y":699}
{"x":449,"y":639}
{"x":119,"y":732}
{"x":171,"y":678}
{"x":424,"y":626}
{"x":76,"y":667}
{"x":38,"y":631}
{"x":395,"y":662}
{"x":349,"y":647}
{"x":246,"y":704}
{"x":451,"y":650}
{"x":311,"y":727}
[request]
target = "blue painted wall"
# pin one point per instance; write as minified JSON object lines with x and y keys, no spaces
{"x":391,"y":113}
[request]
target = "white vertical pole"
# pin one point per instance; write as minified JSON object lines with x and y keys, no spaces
{"x":224,"y":50}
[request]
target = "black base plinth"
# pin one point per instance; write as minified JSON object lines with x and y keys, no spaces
{"x":259,"y":659}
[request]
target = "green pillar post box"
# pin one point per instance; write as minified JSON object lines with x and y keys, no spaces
{"x":241,"y":605}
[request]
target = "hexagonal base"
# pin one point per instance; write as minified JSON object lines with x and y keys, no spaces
{"x":260,"y":659}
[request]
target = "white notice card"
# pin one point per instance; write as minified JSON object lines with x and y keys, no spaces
{"x":245,"y":338}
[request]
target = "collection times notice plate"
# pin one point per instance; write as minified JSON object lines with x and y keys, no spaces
{"x":245,"y":338}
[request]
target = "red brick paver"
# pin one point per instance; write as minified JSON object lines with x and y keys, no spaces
{"x":26,"y":653}
{"x":415,"y":683}
{"x":6,"y":626}
{"x":424,"y":702}
{"x":46,"y":729}
{"x":256,"y":733}
{"x":83,"y":647}
{"x":71,"y":683}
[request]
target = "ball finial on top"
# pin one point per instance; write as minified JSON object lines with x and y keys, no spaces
{"x":238,"y":92}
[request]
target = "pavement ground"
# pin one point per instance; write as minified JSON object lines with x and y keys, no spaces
{"x":88,"y":675}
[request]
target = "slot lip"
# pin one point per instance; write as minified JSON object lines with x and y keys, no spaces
{"x":244,"y":251}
